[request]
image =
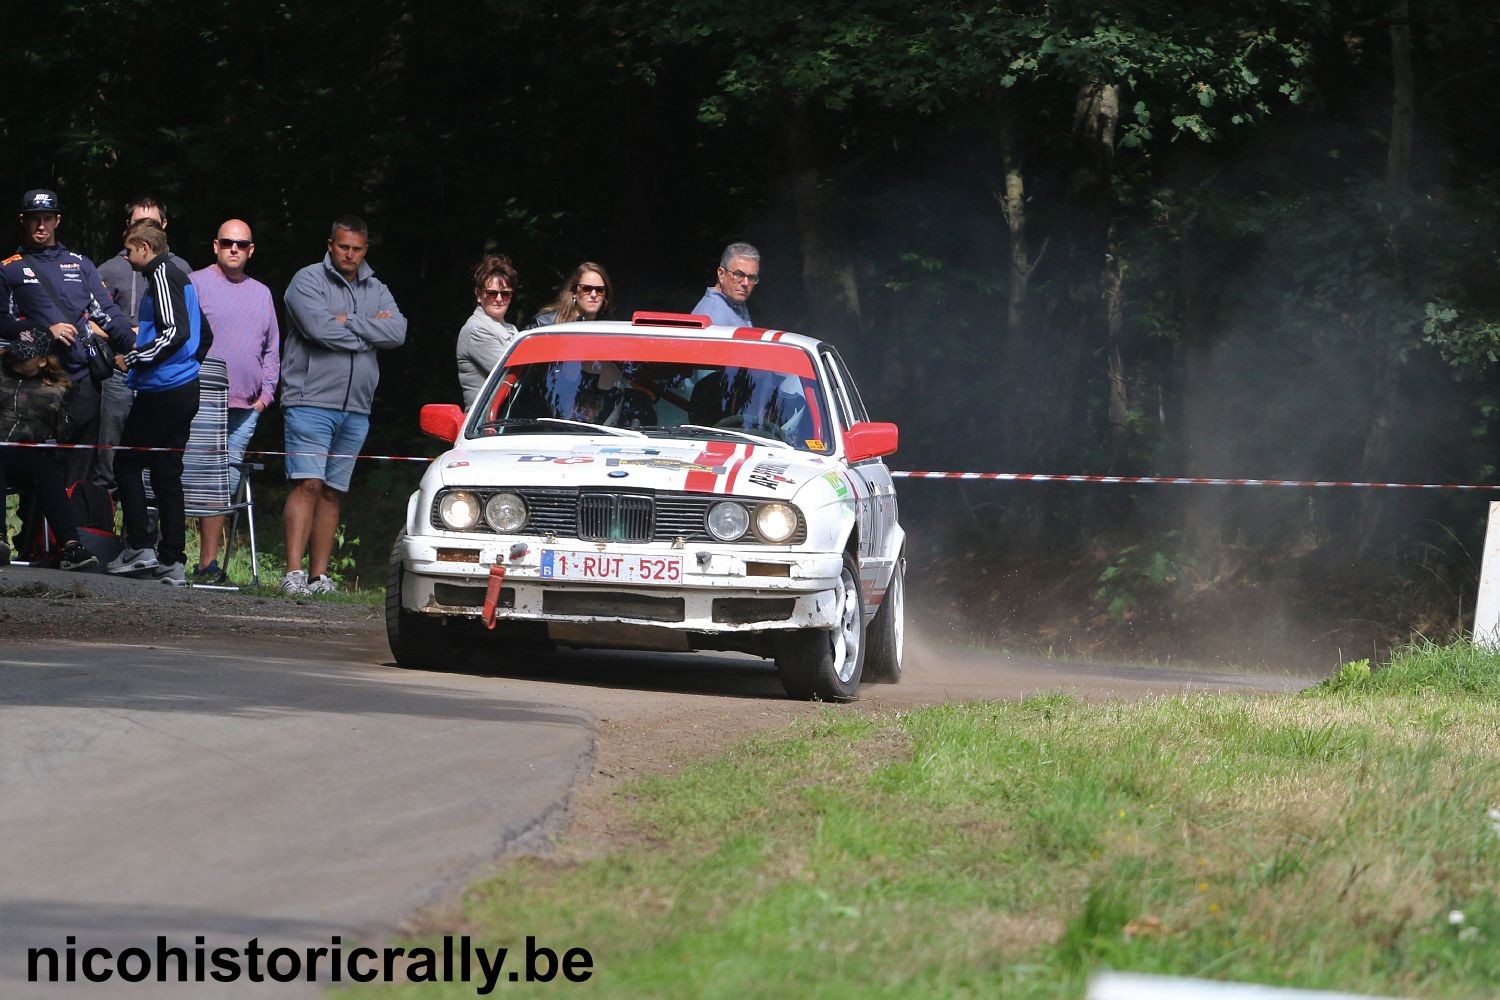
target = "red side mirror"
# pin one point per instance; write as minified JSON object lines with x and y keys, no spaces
{"x":442,"y":420}
{"x":870,"y":440}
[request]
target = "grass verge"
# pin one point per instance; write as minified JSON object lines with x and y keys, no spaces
{"x":1343,"y":838}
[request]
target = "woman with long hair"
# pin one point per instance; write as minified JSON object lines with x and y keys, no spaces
{"x":486,"y":335}
{"x":587,"y":294}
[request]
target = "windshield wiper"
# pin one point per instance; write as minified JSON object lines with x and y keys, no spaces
{"x":617,"y":431}
{"x":540,"y":423}
{"x":511,"y":423}
{"x":746,"y":435}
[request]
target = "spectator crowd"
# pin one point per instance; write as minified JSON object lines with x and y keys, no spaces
{"x":107,"y":360}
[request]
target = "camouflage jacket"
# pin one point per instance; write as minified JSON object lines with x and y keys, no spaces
{"x":31,"y":409}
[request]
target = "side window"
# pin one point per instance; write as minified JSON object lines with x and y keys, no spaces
{"x":851,"y":408}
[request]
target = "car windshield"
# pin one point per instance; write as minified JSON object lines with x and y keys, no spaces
{"x":723,"y":389}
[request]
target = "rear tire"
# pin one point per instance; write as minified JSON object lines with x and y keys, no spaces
{"x":888,"y":631}
{"x":417,"y":641}
{"x":827,"y":663}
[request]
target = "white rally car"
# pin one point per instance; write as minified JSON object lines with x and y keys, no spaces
{"x":661,"y":484}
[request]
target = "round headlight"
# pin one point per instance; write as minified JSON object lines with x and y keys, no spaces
{"x":775,"y":522}
{"x":505,"y":512}
{"x":459,"y":510}
{"x":727,"y":520}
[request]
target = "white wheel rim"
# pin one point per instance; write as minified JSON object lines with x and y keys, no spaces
{"x":846,"y":640}
{"x":896,"y":598}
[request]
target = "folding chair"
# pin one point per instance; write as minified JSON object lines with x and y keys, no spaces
{"x":206,"y":469}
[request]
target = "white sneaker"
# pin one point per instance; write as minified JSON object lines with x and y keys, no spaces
{"x":174,"y":574}
{"x":133,"y":561}
{"x":295,"y":582}
{"x":322,"y":584}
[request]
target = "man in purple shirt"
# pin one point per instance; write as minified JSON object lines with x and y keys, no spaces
{"x":247,"y":339}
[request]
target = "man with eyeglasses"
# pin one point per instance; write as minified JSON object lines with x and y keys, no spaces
{"x":726,"y":301}
{"x":127,"y":286}
{"x":248,"y":341}
{"x":339,"y":316}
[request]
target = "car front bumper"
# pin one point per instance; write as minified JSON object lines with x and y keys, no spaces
{"x":723,"y":588}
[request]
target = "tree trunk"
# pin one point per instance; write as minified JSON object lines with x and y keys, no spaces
{"x":1047,"y":372}
{"x":1376,"y":459}
{"x":828,"y":276}
{"x":1013,"y":204}
{"x":1119,"y":409}
{"x":1403,"y":100}
{"x":1076,"y":316}
{"x":1196,"y":417}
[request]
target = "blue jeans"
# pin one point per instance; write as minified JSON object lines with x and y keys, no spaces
{"x":115,"y":398}
{"x":323,"y":444}
{"x":241,"y":428}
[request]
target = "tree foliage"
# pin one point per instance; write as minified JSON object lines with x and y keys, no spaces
{"x":1279,"y":296}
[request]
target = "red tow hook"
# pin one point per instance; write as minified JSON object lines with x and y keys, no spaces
{"x":492,"y":594}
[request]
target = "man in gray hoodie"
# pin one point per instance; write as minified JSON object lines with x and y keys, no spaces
{"x":126,"y":286}
{"x":337,"y":316}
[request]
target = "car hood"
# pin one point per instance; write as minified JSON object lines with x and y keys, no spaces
{"x":731,"y":468}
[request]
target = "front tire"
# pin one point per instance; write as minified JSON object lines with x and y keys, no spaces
{"x":888,"y":631}
{"x":827,"y":663}
{"x":418,"y":642}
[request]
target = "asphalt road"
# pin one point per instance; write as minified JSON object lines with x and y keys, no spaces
{"x":287,"y":792}
{"x":293,"y":789}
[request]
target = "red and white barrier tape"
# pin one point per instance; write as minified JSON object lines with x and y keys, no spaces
{"x":248,"y":454}
{"x":1037,"y":477}
{"x":1010,"y":477}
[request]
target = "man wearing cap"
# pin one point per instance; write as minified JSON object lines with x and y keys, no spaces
{"x":45,"y":286}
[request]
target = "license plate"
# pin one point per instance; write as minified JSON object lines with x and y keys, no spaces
{"x":560,"y":564}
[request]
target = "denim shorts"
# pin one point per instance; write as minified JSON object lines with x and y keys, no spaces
{"x":323,"y":444}
{"x":241,"y":428}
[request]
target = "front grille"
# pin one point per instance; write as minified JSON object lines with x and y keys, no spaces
{"x":638,"y":517}
{"x":683,"y":516}
{"x":550,"y":510}
{"x":610,"y":517}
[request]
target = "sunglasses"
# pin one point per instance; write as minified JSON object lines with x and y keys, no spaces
{"x":590,"y":289}
{"x":235,"y":244}
{"x":497,"y":293}
{"x":739,"y":275}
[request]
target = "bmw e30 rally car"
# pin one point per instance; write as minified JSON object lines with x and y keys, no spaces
{"x":661,"y":484}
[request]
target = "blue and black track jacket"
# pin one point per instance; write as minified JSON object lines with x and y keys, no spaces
{"x":174,"y":334}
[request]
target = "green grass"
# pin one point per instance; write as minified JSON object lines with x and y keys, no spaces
{"x":1317,"y":840}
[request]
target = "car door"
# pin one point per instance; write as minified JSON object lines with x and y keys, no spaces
{"x":873,"y":483}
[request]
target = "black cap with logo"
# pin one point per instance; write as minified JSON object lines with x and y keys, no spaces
{"x":40,"y":200}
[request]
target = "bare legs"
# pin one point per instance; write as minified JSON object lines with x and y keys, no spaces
{"x":312,"y":520}
{"x":210,"y":536}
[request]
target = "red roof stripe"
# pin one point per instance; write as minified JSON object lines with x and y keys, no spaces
{"x":729,"y":353}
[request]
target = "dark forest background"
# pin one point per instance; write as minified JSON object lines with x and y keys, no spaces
{"x":1247,"y":239}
